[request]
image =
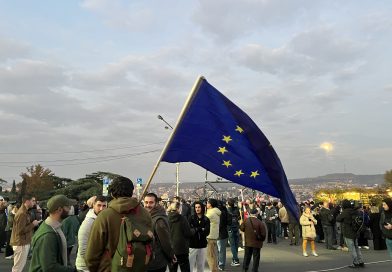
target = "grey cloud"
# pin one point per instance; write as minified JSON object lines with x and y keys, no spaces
{"x":10,"y":49}
{"x":227,"y":20}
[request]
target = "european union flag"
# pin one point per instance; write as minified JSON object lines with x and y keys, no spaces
{"x":217,"y":135}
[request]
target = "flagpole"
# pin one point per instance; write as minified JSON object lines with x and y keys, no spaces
{"x":191,"y":95}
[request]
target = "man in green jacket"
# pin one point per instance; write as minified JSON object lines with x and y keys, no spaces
{"x":49,"y":243}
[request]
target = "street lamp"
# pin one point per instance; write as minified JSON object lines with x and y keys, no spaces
{"x":168,"y":126}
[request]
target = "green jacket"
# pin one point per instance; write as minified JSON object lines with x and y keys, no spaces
{"x":105,"y":232}
{"x":46,"y":248}
{"x":70,"y":227}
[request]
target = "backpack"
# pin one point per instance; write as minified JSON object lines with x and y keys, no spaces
{"x":134,"y":249}
{"x":357,"y":222}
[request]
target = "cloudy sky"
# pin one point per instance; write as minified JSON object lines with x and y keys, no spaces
{"x":82,"y":82}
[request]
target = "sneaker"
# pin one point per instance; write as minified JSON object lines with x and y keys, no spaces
{"x":235,"y":263}
{"x":353,"y":265}
{"x":221,"y":268}
{"x":344,"y":248}
{"x":305,"y":254}
{"x":361,"y":264}
{"x":365,"y":247}
{"x":339,"y":248}
{"x":9,"y":257}
{"x":240,"y":249}
{"x":314,"y":253}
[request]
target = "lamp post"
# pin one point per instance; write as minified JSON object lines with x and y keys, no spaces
{"x":168,"y":126}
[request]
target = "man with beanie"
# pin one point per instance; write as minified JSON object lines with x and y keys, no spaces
{"x":105,"y":233}
{"x":22,"y":232}
{"x":255,"y":233}
{"x":386,"y":223}
{"x":213,"y":214}
{"x":350,"y":235}
{"x":49,"y":244}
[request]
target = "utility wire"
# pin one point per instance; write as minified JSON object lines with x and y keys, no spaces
{"x":97,"y":161}
{"x":76,"y":152}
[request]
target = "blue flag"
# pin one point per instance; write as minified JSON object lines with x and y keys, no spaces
{"x":217,"y":135}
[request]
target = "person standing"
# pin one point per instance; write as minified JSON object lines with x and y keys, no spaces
{"x":327,"y":221}
{"x":105,"y":232}
{"x":180,"y":234}
{"x":22,"y":232}
{"x":386,"y":223}
{"x":198,"y":242}
{"x":233,"y":229}
{"x":213,"y":214}
{"x":271,"y":216}
{"x":284,"y":221}
{"x":70,"y":227}
{"x":9,"y":252}
{"x":223,"y":236}
{"x":163,"y":250}
{"x":308,"y":223}
{"x":49,"y":244}
{"x":349,"y":234}
{"x":255,"y":233}
{"x":374,"y":224}
{"x":84,"y":231}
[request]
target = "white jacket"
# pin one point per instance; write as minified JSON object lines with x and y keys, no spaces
{"x":214,"y":215}
{"x":83,"y":234}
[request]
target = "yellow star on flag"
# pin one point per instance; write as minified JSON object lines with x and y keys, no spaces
{"x":238,"y":173}
{"x":226,"y":139}
{"x":239,"y":129}
{"x":222,"y":150}
{"x":226,"y":163}
{"x":254,"y":174}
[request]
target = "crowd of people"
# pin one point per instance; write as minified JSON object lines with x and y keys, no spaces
{"x":121,"y":233}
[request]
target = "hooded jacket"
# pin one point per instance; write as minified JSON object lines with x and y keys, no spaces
{"x":346,"y":218}
{"x":180,"y":232}
{"x":163,"y":250}
{"x":47,"y":251}
{"x":308,"y":229}
{"x":213,"y":215}
{"x":201,"y":229}
{"x":105,"y":232}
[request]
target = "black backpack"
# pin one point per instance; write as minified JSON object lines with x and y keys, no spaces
{"x":358,"y":222}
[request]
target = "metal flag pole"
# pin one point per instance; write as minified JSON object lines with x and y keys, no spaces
{"x":191,"y":95}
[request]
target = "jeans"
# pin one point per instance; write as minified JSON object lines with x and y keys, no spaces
{"x":222,"y":252}
{"x":285,"y":227}
{"x":234,"y":240}
{"x":356,"y":254}
{"x":389,"y":246}
{"x":328,"y":236}
{"x":271,"y":232}
{"x":249,"y":252}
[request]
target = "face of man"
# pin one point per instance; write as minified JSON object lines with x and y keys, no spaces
{"x":65,"y":212}
{"x":149,"y":203}
{"x":326,"y":204}
{"x":99,"y":206}
{"x":198,"y":209}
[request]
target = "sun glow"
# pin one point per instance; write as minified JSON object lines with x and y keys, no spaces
{"x":328,"y":147}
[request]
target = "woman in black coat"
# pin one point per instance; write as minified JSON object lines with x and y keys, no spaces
{"x":378,"y":239}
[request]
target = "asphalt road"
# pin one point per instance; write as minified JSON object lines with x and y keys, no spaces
{"x":285,"y":258}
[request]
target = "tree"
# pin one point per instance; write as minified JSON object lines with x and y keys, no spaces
{"x":388,"y":177}
{"x":38,"y":181}
{"x":13,"y":190}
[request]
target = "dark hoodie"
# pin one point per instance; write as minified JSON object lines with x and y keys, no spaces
{"x":386,"y":217}
{"x":163,"y":251}
{"x":180,"y":232}
{"x":201,"y":229}
{"x":346,"y":218}
{"x":106,"y":230}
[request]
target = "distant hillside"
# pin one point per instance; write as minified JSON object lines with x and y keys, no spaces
{"x":357,"y":179}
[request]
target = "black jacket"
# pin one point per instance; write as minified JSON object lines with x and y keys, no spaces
{"x":201,"y":228}
{"x":326,"y":217}
{"x":223,"y":234}
{"x":386,"y":217}
{"x":234,"y":216}
{"x":180,"y":233}
{"x":346,"y":218}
